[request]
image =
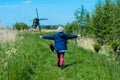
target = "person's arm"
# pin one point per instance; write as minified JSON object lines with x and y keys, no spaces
{"x":51,"y":37}
{"x":70,"y":36}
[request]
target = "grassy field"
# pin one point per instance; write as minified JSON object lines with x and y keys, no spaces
{"x":30,"y":58}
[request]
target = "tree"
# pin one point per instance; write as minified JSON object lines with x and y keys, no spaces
{"x":88,"y":27}
{"x":103,"y":22}
{"x":116,"y":28}
{"x":80,"y":16}
{"x":72,"y":28}
{"x":16,"y":26}
{"x":97,"y":22}
{"x":20,"y":26}
{"x":108,"y":20}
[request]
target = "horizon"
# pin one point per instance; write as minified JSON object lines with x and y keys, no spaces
{"x":57,"y":12}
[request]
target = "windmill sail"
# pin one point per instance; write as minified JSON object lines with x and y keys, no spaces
{"x":37,"y":13}
{"x":36,"y":21}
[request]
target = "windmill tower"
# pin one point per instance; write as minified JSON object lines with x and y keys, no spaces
{"x":36,"y":22}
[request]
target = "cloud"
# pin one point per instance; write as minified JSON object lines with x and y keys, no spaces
{"x":27,"y":2}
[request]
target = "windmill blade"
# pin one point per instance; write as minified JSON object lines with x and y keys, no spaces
{"x":43,"y":19}
{"x":37,"y":13}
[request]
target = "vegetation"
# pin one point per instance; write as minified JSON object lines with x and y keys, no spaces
{"x":114,"y":46}
{"x":7,"y":35}
{"x":82,"y":18}
{"x":27,"y":57}
{"x":31,"y":59}
{"x":102,"y":24}
{"x":72,"y":28}
{"x":97,"y":47}
{"x":49,"y":26}
{"x":20,"y":26}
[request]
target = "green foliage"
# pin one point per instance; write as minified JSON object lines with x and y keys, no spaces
{"x":116,"y":28}
{"x":72,"y":28}
{"x":49,"y":26}
{"x":115,"y":45}
{"x":84,"y":21}
{"x":105,"y":22}
{"x":88,"y":30}
{"x":97,"y":47}
{"x":80,"y":16}
{"x":68,"y":28}
{"x":20,"y":26}
{"x":97,"y":23}
{"x":33,"y":60}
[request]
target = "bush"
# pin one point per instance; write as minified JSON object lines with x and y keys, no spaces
{"x":97,"y":47}
{"x":115,"y":45}
{"x":20,"y":26}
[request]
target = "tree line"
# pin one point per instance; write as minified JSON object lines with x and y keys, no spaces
{"x":103,"y":24}
{"x":23,"y":26}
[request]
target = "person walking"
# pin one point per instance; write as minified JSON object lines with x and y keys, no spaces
{"x":60,"y":44}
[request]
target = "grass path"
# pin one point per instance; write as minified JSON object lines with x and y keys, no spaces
{"x":80,"y":64}
{"x":34,"y":61}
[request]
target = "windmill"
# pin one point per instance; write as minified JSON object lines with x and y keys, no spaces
{"x":36,"y":21}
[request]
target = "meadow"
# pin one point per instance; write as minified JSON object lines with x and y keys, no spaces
{"x":29,"y":58}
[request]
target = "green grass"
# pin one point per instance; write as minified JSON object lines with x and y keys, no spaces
{"x":33,"y":60}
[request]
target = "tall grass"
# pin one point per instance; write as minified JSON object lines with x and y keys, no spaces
{"x":7,"y":36}
{"x":7,"y":39}
{"x":31,"y":59}
{"x":86,"y":43}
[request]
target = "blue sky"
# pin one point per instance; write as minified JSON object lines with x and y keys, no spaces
{"x":57,"y":11}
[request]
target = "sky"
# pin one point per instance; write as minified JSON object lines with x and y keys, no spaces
{"x":56,"y":11}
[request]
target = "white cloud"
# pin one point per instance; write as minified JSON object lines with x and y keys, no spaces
{"x":27,"y":2}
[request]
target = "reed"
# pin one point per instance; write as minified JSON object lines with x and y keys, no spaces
{"x":7,"y":36}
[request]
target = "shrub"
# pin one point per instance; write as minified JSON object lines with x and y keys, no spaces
{"x":115,"y":45}
{"x":97,"y":47}
{"x":20,"y":26}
